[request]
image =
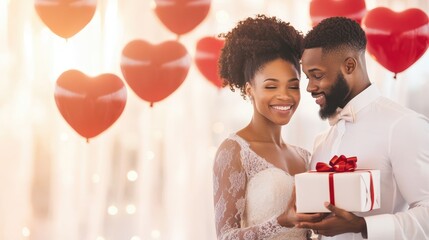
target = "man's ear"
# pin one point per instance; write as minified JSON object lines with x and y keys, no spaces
{"x":349,"y":65}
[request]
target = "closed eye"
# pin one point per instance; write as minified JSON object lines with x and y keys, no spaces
{"x":315,"y":74}
{"x":315,"y":77}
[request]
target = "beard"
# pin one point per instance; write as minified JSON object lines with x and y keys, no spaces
{"x":335,"y":97}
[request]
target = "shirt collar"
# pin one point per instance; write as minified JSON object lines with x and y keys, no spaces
{"x":363,"y":99}
{"x":360,"y":101}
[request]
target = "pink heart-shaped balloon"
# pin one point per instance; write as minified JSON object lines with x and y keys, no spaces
{"x":396,"y":39}
{"x":206,"y":58}
{"x":321,"y":9}
{"x":181,"y":16}
{"x":65,"y":18}
{"x":90,"y":105}
{"x":154,"y":72}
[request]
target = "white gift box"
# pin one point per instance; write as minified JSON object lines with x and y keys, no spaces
{"x":349,"y":190}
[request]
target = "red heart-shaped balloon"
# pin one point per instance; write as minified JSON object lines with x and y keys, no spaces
{"x":65,"y":17}
{"x":154,"y":72}
{"x":90,"y":105}
{"x":321,"y":9}
{"x":396,"y":39}
{"x":206,"y":58}
{"x":181,"y":16}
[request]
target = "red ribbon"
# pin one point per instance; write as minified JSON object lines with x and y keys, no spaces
{"x":371,"y":190}
{"x":338,"y":165}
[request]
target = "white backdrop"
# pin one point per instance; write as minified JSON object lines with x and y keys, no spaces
{"x":149,"y":175}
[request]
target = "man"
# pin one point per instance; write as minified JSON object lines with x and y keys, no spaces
{"x":382,"y":134}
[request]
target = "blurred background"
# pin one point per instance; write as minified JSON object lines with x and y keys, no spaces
{"x":148,"y":175}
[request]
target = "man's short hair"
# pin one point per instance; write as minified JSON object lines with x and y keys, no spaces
{"x":335,"y":33}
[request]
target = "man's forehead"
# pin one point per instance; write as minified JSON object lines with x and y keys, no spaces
{"x":320,"y":56}
{"x":311,"y":56}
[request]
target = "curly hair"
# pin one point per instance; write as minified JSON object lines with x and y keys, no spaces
{"x":334,"y":33}
{"x":253,"y":43}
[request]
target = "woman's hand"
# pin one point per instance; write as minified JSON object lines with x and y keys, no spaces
{"x":290,"y":218}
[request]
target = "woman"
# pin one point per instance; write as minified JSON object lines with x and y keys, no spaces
{"x":254,"y":168}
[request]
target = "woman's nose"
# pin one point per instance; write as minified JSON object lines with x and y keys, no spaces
{"x":282,"y":95}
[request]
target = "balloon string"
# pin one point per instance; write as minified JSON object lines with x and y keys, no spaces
{"x":178,"y":37}
{"x":87,"y":140}
{"x":394,"y":77}
{"x":151,"y":104}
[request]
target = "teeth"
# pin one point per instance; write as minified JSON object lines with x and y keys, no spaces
{"x":282,"y":108}
{"x":319,"y":99}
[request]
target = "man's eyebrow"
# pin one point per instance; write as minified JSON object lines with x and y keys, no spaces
{"x":313,"y":69}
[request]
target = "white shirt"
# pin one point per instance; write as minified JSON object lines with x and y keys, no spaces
{"x":395,"y":140}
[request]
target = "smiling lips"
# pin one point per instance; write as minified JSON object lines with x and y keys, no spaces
{"x":320,"y":99}
{"x":282,"y":108}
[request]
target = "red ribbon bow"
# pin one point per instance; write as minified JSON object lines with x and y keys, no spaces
{"x":338,"y":164}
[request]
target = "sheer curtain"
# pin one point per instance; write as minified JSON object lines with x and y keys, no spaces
{"x":149,"y":175}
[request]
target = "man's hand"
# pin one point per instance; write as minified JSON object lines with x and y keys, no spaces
{"x":338,"y":222}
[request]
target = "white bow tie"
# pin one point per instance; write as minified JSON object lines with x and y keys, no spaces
{"x":346,"y":114}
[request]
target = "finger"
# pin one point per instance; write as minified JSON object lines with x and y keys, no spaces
{"x":314,"y":217}
{"x":308,"y":225}
{"x":337,"y":211}
{"x":329,"y":206}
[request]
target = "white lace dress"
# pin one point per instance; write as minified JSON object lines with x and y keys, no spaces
{"x":250,"y":193}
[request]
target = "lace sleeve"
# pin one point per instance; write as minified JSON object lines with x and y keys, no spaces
{"x":229,"y":197}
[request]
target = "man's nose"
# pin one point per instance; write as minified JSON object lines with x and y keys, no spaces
{"x":311,"y":87}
